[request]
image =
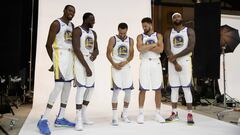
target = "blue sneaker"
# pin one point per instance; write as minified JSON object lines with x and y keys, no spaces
{"x":43,"y":127}
{"x":63,"y":123}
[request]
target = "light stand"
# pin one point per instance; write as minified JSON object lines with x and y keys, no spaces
{"x":220,"y":115}
{"x":225,"y":95}
{"x":30,"y":58}
{"x":224,"y":77}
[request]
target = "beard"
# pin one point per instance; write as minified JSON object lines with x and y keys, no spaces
{"x":147,"y":30}
{"x":69,"y":17}
{"x":177,"y":23}
{"x":90,"y":25}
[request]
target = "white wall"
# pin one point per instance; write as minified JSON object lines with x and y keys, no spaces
{"x":232,"y":62}
{"x":108,"y":14}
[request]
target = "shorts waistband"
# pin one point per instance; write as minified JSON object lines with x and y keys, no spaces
{"x":150,"y":58}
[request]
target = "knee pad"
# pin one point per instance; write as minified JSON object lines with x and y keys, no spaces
{"x":55,"y":92}
{"x":174,"y":95}
{"x":188,"y":95}
{"x":115,"y":96}
{"x":80,"y":94}
{"x":127,"y":96}
{"x":88,"y":94}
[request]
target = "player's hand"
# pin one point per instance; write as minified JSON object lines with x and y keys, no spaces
{"x":172,"y":58}
{"x":51,"y":69}
{"x":88,"y":72}
{"x":93,"y":57}
{"x":178,"y":68}
{"x":153,"y":46}
{"x":117,"y":66}
{"x":122,"y":64}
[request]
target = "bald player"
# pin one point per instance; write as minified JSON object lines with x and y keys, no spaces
{"x":59,"y":48}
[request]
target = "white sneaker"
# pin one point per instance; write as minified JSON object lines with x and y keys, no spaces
{"x":140,"y":119}
{"x":114,"y":122}
{"x":159,"y":118}
{"x":87,"y":122}
{"x":79,"y":125}
{"x":125,"y":118}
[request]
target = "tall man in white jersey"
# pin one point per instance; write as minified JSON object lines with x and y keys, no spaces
{"x":150,"y":45}
{"x":86,"y":50}
{"x":120,"y":52}
{"x":179,"y":44}
{"x":59,"y":48}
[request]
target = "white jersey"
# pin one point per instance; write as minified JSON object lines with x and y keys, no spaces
{"x":86,"y":41}
{"x":120,"y":49}
{"x":63,"y":38}
{"x":179,"y":41}
{"x":149,"y":40}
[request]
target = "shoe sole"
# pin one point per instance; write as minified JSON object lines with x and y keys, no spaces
{"x":126,"y":121}
{"x":88,"y":123}
{"x":175,"y":120}
{"x":78,"y":129}
{"x":140,"y":122}
{"x":190,"y":123}
{"x":57,"y":125}
{"x":161,"y":121}
{"x":43,"y":133}
{"x":115,"y":124}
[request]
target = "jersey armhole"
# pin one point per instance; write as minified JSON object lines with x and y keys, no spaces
{"x":59,"y":25}
{"x":80,"y":31}
{"x":115,"y":41}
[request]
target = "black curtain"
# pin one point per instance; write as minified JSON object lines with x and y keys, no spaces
{"x":206,"y":57}
{"x":15,"y":42}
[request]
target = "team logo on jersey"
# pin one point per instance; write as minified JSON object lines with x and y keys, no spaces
{"x":68,"y":36}
{"x":122,"y":51}
{"x":89,"y":43}
{"x":178,"y":41}
{"x":150,"y":41}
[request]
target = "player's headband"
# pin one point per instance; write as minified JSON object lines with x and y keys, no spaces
{"x":176,"y":14}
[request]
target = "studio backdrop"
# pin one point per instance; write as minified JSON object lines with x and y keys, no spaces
{"x":108,"y":14}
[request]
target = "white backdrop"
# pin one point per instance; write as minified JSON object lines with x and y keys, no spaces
{"x":232,"y":62}
{"x":108,"y":14}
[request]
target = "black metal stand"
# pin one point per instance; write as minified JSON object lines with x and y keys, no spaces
{"x":4,"y":96}
{"x":3,"y":130}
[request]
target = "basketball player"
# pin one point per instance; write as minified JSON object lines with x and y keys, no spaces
{"x":86,"y":50}
{"x":120,"y":52}
{"x":150,"y":45}
{"x":179,"y":44}
{"x":59,"y":48}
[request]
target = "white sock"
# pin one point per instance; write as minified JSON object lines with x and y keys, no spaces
{"x":140,"y":110}
{"x":157,"y":111}
{"x":114,"y":114}
{"x":84,"y":107}
{"x":46,"y":113}
{"x":61,"y":113}
{"x":125,"y":110}
{"x":79,"y":114}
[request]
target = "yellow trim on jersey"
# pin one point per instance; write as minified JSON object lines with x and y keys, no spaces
{"x":56,"y":60}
